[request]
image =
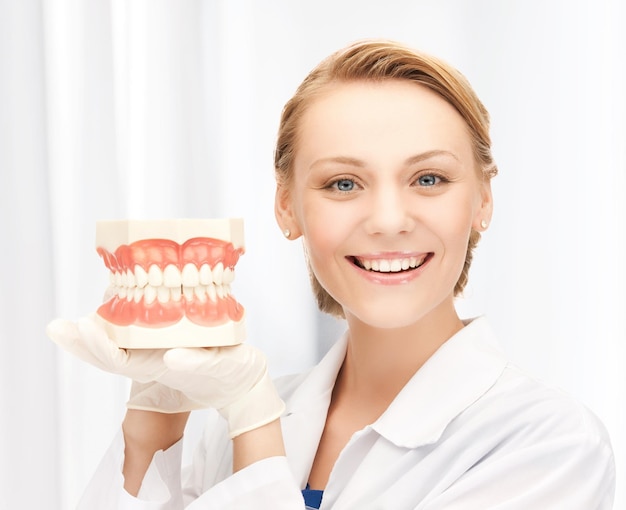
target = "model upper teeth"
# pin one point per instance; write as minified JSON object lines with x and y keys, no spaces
{"x":171,"y":283}
{"x":392,"y":265}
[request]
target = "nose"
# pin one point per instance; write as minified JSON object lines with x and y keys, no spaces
{"x":389,"y":212}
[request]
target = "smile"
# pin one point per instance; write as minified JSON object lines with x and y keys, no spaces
{"x":392,"y":264}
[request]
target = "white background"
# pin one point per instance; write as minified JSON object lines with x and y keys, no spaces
{"x":154,"y":109}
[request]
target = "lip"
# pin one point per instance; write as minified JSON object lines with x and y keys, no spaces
{"x":391,"y":278}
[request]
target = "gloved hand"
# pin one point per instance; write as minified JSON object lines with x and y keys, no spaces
{"x":233,"y":380}
{"x":87,"y":340}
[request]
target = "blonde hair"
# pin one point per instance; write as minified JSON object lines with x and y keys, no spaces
{"x":380,"y":61}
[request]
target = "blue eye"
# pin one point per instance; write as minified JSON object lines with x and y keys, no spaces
{"x":344,"y":184}
{"x":428,"y":180}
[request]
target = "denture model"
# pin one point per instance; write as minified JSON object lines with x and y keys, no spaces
{"x":170,"y":282}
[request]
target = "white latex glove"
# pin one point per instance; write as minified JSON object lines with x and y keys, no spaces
{"x":233,"y":379}
{"x":87,"y":340}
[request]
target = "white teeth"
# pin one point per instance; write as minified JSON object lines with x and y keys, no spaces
{"x":218,"y":273}
{"x":188,"y":293}
{"x":138,"y":295}
{"x":206,"y":276}
{"x":109,"y":293}
{"x":229,"y":276}
{"x":172,"y":277}
{"x":171,"y":284}
{"x":141,"y":277}
{"x":150,"y":294}
{"x":163,"y":294}
{"x":384,"y":266}
{"x":211,"y":292}
{"x":200,"y":293}
{"x":130,"y":278}
{"x":155,"y":276}
{"x":190,"y":276}
{"x":391,"y":265}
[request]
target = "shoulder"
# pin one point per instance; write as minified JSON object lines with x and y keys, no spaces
{"x":520,"y":410}
{"x":535,"y":439}
{"x":515,"y":401}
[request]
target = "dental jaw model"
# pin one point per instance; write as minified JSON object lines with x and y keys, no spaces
{"x":170,"y":282}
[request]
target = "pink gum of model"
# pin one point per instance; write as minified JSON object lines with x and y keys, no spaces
{"x":170,"y":282}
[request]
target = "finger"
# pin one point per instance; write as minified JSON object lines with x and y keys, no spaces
{"x":216,"y":362}
{"x":64,"y":333}
{"x":68,"y":335}
{"x":140,"y":364}
{"x":100,"y":345}
{"x":185,"y":359}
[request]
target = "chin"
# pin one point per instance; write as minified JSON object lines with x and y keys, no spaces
{"x":386,"y":319}
{"x":403,"y":313}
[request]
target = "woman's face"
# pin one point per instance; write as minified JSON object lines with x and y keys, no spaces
{"x":385,"y":192}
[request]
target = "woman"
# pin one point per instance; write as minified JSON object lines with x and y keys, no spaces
{"x":383,"y":168}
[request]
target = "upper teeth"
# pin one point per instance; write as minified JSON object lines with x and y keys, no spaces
{"x":392,"y":265}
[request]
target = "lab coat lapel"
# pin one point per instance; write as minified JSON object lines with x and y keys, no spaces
{"x":457,"y":375}
{"x":307,"y":398}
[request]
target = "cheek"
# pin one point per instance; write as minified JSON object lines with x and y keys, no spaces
{"x":456,"y":211}
{"x":322,"y":235}
{"x":452,"y":221}
{"x":325,"y":239}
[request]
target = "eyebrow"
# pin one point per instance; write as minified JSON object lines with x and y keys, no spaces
{"x":430,"y":154}
{"x":345,"y":160}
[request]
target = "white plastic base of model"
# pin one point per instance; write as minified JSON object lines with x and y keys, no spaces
{"x":182,"y":334}
{"x":110,"y":234}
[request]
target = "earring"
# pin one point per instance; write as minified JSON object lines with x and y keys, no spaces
{"x":287,"y":233}
{"x":484,"y":224}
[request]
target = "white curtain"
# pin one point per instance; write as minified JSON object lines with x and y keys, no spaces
{"x":163,"y":108}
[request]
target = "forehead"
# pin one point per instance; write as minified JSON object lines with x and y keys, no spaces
{"x":369,"y":120}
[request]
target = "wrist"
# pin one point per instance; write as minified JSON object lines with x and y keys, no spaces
{"x":151,"y":430}
{"x":145,"y":433}
{"x":258,"y":444}
{"x":259,"y":406}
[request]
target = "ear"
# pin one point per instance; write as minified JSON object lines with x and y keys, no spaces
{"x":283,"y":209}
{"x":482,"y":219}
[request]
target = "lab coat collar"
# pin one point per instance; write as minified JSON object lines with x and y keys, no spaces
{"x":453,"y":378}
{"x":458,"y":374}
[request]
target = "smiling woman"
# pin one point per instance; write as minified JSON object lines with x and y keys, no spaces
{"x":410,"y":189}
{"x":383,"y":168}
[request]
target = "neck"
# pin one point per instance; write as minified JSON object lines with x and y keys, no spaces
{"x":379,"y":362}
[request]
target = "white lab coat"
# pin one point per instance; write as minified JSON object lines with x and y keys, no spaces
{"x":469,"y":431}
